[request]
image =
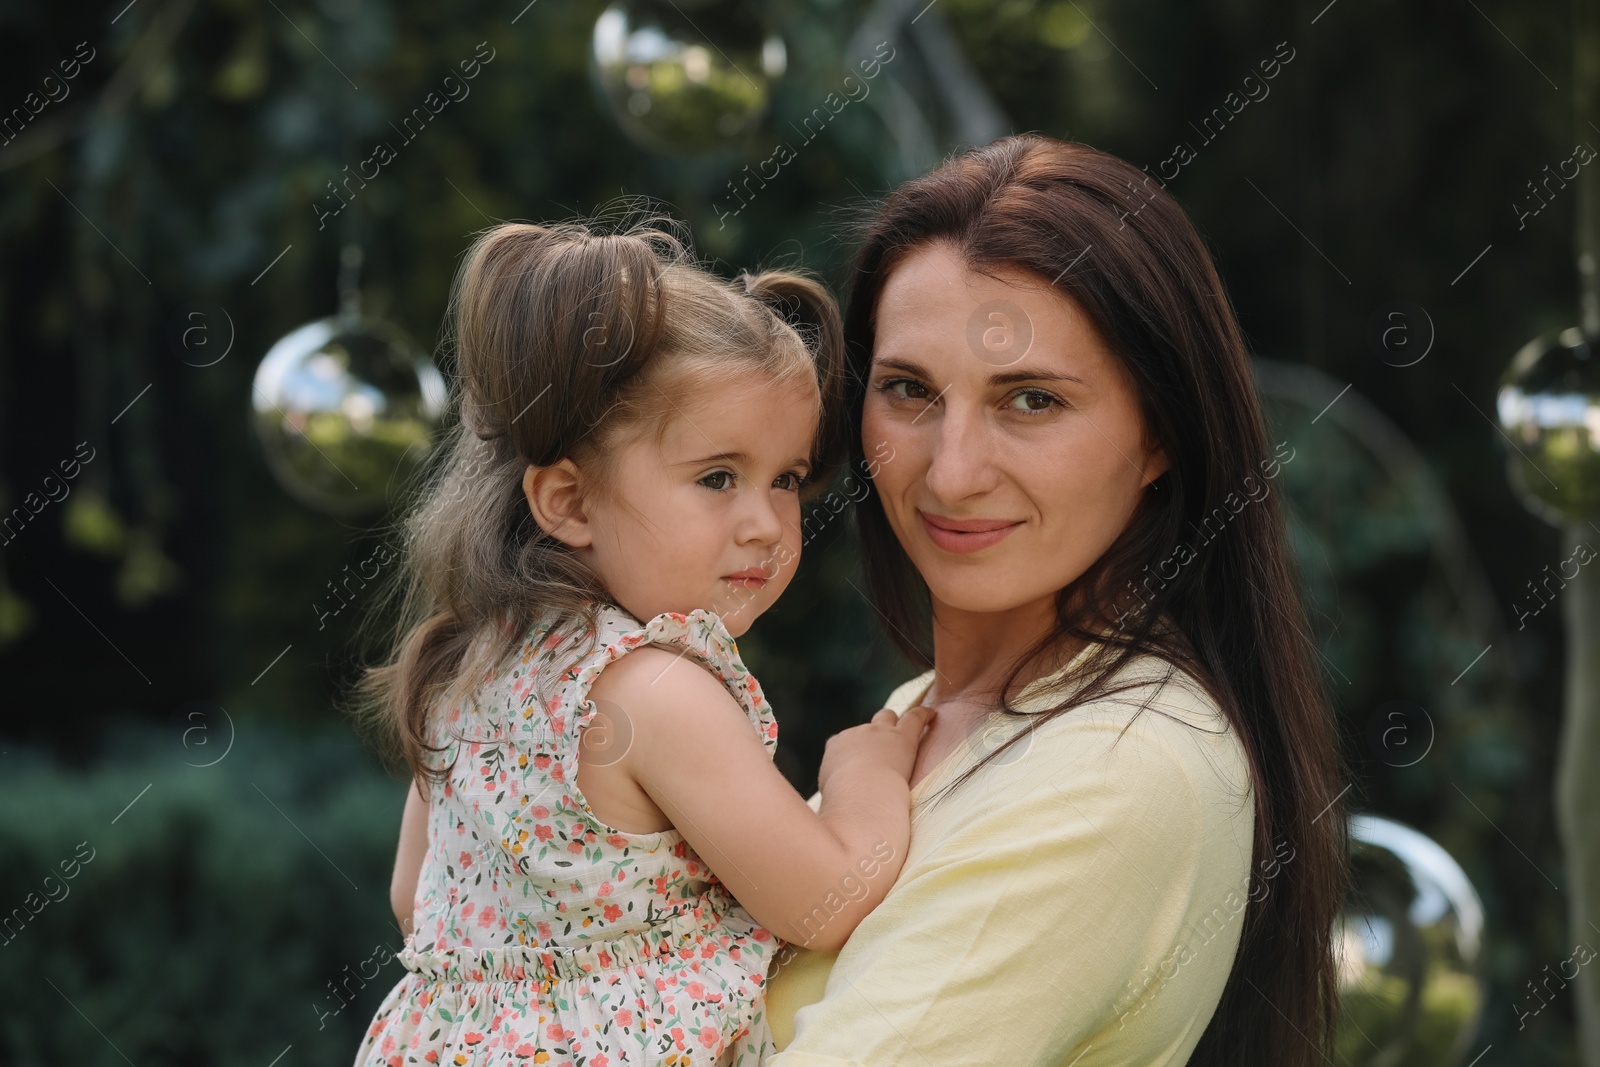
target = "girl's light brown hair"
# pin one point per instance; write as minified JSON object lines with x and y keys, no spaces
{"x":569,"y":341}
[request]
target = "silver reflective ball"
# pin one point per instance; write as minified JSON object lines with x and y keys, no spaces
{"x":345,"y":409}
{"x":1409,"y":942}
{"x":685,"y":78}
{"x":1549,"y":406}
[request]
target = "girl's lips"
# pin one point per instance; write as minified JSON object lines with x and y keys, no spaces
{"x":966,"y":535}
{"x":749,"y":578}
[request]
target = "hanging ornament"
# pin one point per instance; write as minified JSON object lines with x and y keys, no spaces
{"x":345,"y":407}
{"x":685,"y":78}
{"x":1409,"y":942}
{"x":1549,"y":406}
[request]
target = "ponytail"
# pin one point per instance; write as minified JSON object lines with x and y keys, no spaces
{"x":805,"y":306}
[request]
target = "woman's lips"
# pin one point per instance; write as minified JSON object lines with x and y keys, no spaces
{"x":965,"y":535}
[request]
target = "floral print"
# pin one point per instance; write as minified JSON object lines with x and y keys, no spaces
{"x":542,"y":935}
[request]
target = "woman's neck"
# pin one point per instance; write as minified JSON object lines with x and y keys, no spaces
{"x":973,"y":652}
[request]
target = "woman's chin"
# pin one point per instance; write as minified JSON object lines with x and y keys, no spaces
{"x":975,"y":594}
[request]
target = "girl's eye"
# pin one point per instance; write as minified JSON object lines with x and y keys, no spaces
{"x":713,"y":476}
{"x":892,"y":385}
{"x":791,"y":481}
{"x":1034,"y":400}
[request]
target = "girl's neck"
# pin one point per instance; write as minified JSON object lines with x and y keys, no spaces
{"x":974,"y":652}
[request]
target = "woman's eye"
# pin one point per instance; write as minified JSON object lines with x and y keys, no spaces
{"x":714,"y":476}
{"x":1034,"y":400}
{"x":892,"y":385}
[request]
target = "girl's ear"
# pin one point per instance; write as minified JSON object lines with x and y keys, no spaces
{"x":555,"y":498}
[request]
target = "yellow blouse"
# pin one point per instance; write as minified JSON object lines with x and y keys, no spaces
{"x":1077,"y":902}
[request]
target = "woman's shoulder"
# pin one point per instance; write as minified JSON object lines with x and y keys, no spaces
{"x":1155,"y":729}
{"x":1157,"y":725}
{"x":1144,"y":681}
{"x":1150,"y":681}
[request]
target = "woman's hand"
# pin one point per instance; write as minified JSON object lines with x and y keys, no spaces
{"x":887,"y":741}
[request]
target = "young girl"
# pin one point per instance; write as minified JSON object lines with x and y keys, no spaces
{"x":610,"y":859}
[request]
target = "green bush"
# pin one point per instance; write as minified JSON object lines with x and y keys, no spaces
{"x":207,"y":921}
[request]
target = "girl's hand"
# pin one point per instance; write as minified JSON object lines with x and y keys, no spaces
{"x":886,"y":741}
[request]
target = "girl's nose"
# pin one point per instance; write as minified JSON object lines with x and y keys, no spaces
{"x":760,"y":521}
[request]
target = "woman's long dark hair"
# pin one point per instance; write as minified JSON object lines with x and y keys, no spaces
{"x":1106,"y":236}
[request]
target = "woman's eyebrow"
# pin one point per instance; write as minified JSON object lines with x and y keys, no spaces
{"x":1034,"y":376}
{"x":1006,"y":378}
{"x":901,"y":365}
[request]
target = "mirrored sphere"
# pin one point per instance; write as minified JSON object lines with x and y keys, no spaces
{"x":685,"y":78}
{"x":1409,"y":944}
{"x":1549,"y":406}
{"x":345,"y":409}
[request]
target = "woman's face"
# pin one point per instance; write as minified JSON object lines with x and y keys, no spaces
{"x":1018,"y":448}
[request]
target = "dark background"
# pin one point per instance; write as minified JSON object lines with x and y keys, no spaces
{"x":174,"y":590}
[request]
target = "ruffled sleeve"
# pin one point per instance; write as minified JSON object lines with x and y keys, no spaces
{"x":701,"y":636}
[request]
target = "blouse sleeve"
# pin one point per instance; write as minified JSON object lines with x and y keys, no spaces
{"x":1033,"y":931}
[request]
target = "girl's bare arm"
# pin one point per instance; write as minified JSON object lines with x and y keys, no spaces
{"x":408,"y":857}
{"x":808,"y":876}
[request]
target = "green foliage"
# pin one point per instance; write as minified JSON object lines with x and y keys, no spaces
{"x":1390,"y":148}
{"x":213,"y":910}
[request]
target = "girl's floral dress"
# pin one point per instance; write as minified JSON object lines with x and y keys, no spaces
{"x":542,"y":935}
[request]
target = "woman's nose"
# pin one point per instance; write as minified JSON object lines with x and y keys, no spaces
{"x":959,"y":461}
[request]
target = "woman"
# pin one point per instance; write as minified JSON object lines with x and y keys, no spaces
{"x":1076,"y":534}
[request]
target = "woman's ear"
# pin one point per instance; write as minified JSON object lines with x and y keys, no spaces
{"x":1155,"y":465}
{"x":555,"y":497}
{"x":1156,"y":462}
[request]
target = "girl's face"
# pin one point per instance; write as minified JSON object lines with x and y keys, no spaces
{"x":1019,"y":451}
{"x":711,"y":517}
